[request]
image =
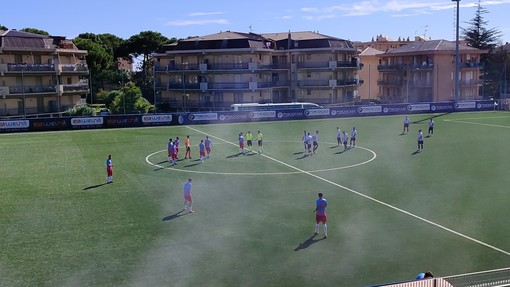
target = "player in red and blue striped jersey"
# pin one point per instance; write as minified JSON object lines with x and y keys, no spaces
{"x":320,"y":214}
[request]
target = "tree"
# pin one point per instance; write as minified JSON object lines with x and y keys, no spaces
{"x":2,"y":27}
{"x":477,"y":35}
{"x":145,"y":44}
{"x":129,"y":100}
{"x":35,"y":31}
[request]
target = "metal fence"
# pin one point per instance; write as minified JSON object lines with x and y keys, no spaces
{"x":491,"y":278}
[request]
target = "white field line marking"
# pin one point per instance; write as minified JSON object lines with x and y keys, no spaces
{"x":374,"y":155}
{"x":373,"y":199}
{"x":478,"y":124}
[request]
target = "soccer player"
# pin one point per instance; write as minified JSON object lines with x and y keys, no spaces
{"x":201,"y":148}
{"x":259,"y":142}
{"x":320,"y":215}
{"x":241,"y":142}
{"x":188,"y":199}
{"x":345,"y":139}
{"x":171,"y":152}
{"x":305,"y":140}
{"x":109,"y":170}
{"x":431,"y":127}
{"x":354,"y":133}
{"x":249,"y":141}
{"x":176,"y":145}
{"x":208,"y":146}
{"x":309,"y":140}
{"x":188,"y":147}
{"x":338,"y":136}
{"x":315,"y":140}
{"x":420,"y":140}
{"x":406,"y":125}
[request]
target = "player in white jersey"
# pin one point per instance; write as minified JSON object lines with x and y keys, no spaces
{"x":406,"y":125}
{"x":338,"y":136}
{"x":431,"y":127}
{"x":315,"y":141}
{"x":345,"y":139}
{"x":308,"y":142}
{"x":420,"y":140}
{"x":354,"y":133}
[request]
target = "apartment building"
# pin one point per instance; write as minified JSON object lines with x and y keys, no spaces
{"x":40,"y":74}
{"x":214,"y":71}
{"x":423,"y":71}
{"x":369,"y":91}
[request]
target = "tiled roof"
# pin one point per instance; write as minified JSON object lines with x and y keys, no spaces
{"x":19,"y":39}
{"x":226,"y":35}
{"x":369,"y":51}
{"x":304,"y":35}
{"x":429,"y":46}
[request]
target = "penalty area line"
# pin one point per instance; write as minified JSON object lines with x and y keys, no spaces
{"x":370,"y":198}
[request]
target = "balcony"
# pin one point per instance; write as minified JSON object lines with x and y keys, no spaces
{"x":471,"y":82}
{"x":275,"y":66}
{"x":18,"y":90}
{"x":420,"y":84}
{"x":390,"y":82}
{"x":207,"y":67}
{"x":390,"y":68}
{"x":204,"y":86}
{"x":328,"y":65}
{"x":328,"y":83}
{"x":27,"y":68}
{"x":74,"y":88}
{"x":421,"y":67}
{"x":471,"y":65}
{"x":72,"y":68}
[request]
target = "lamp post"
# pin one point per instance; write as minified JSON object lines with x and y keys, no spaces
{"x":154,"y":86}
{"x":456,"y":77}
{"x":23,"y":90}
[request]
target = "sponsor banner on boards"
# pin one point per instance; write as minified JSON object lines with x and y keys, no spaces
{"x":369,"y":109}
{"x":14,"y":125}
{"x":151,"y":119}
{"x":87,"y":121}
{"x":49,"y":124}
{"x":316,"y":112}
{"x":122,"y":121}
{"x":343,"y":111}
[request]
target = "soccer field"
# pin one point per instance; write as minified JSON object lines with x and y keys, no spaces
{"x":393,"y":212}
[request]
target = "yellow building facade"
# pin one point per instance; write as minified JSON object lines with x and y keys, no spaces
{"x":212,"y":72}
{"x":40,"y":75}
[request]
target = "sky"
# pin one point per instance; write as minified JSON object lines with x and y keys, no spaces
{"x":355,"y":20}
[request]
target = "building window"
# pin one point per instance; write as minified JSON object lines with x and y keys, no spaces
{"x":308,"y":92}
{"x":308,"y":75}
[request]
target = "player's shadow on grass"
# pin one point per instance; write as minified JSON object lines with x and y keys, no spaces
{"x":342,"y":151}
{"x":416,"y":152}
{"x":235,"y":155}
{"x":174,"y":216}
{"x":308,"y":242}
{"x":94,"y":186}
{"x":300,"y":152}
{"x":197,"y":162}
{"x":305,"y":155}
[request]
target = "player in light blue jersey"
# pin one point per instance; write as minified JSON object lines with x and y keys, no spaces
{"x":208,"y":146}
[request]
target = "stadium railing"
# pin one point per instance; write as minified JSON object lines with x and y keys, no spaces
{"x":491,"y":278}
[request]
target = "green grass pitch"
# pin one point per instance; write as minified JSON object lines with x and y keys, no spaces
{"x":392,"y":213}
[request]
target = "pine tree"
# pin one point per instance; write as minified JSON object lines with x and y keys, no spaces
{"x":477,"y":35}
